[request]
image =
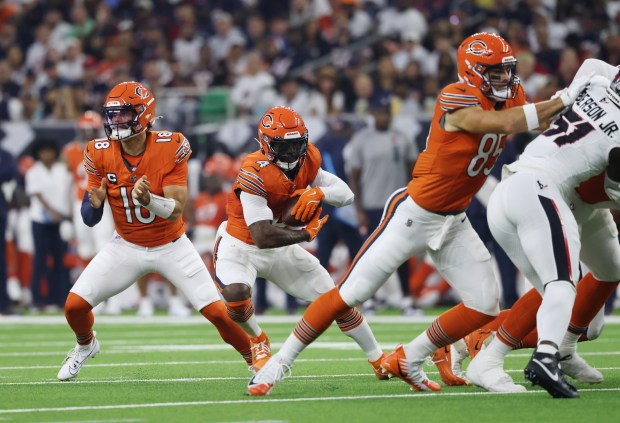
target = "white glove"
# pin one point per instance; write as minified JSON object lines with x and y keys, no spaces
{"x":569,"y":94}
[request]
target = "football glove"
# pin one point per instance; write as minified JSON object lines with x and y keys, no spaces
{"x":315,"y":225}
{"x":307,"y":204}
{"x":569,"y":94}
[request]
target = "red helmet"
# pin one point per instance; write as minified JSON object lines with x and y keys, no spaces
{"x":129,"y":109}
{"x":480,"y":53}
{"x":283,"y":137}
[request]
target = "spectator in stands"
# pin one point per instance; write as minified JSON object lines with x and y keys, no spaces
{"x":47,"y":185}
{"x":71,"y":66}
{"x":186,"y":48}
{"x":226,"y":34}
{"x":411,"y":50}
{"x":531,"y":81}
{"x":364,"y":90}
{"x":305,"y":100}
{"x":247,"y":90}
{"x":328,"y":88}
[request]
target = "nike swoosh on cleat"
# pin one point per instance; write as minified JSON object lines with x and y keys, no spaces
{"x":553,"y":376}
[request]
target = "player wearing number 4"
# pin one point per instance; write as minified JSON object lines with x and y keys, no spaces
{"x":143,"y":174}
{"x":468,"y":130}
{"x":255,"y":241}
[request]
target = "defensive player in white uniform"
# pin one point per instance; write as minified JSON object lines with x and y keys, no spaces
{"x":530,"y":213}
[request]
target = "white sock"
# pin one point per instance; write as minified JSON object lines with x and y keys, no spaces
{"x":497,"y":351}
{"x":569,"y":343}
{"x":291,"y":349}
{"x":555,"y":311}
{"x":366,"y":340}
{"x":251,"y":326}
{"x":417,"y":350}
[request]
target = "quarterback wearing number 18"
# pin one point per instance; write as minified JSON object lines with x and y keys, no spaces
{"x":143,"y":174}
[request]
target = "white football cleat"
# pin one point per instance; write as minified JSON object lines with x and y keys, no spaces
{"x":576,"y":367}
{"x":488,"y":373}
{"x":76,"y":358}
{"x":271,"y":373}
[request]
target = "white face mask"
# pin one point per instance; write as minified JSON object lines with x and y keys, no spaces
{"x":120,"y":134}
{"x":286,"y":166}
{"x":500,"y":94}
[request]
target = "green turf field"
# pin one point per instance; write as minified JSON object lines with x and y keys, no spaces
{"x":179,"y":370}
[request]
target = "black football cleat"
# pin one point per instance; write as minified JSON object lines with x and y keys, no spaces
{"x":543,"y":370}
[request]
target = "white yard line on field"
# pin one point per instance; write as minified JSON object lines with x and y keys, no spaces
{"x":199,"y":320}
{"x":176,"y":348}
{"x":255,"y":402}
{"x":210,"y":379}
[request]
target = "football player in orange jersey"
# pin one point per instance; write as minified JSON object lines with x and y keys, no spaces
{"x":471,"y":120}
{"x":255,"y":243}
{"x":143,"y":174}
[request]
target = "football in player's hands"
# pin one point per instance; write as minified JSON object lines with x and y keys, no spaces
{"x":288,"y":219}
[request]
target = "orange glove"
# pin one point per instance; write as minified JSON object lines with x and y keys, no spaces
{"x":308,"y":202}
{"x":315,"y":225}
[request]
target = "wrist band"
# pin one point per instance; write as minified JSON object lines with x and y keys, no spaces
{"x":161,"y":206}
{"x":531,"y":116}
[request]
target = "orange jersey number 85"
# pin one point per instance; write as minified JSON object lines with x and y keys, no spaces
{"x":489,"y":148}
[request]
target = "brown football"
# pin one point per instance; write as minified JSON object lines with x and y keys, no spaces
{"x":288,"y":219}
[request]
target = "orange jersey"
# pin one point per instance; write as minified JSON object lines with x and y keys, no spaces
{"x":454,"y":165}
{"x":210,"y":210}
{"x":258,"y":176}
{"x":74,"y":156}
{"x":164,"y":163}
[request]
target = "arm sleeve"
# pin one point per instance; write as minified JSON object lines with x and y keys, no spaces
{"x":90,"y":215}
{"x":337,"y":192}
{"x":255,"y":208}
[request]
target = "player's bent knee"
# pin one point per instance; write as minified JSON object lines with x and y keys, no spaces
{"x":76,"y":304}
{"x":355,"y":297}
{"x":236,"y":292}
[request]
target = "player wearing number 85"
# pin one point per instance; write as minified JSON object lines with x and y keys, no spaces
{"x":471,"y":120}
{"x":143,"y":174}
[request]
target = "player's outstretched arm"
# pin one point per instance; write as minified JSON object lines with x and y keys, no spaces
{"x":515,"y":119}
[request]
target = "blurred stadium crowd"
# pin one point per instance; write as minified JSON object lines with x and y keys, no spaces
{"x":216,"y":65}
